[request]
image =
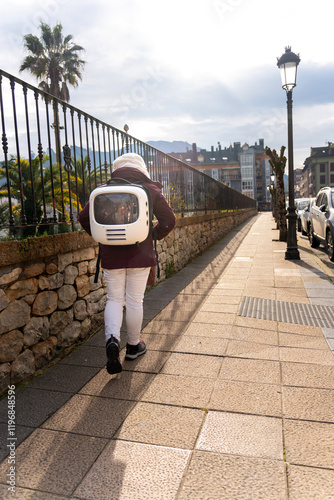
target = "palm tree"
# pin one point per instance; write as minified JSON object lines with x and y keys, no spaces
{"x":26,"y":184}
{"x":55,"y":62}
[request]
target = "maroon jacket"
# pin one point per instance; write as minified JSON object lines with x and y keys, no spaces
{"x":142,"y":255}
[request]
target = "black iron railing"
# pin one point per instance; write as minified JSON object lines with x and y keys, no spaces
{"x":54,"y":154}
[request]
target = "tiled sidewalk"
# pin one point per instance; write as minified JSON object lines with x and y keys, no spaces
{"x":224,"y":405}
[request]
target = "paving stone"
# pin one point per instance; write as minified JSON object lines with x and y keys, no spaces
{"x":21,"y":433}
{"x":210,"y":317}
{"x":231,"y":284}
{"x":222,"y":307}
{"x":305,"y":483}
{"x":166,"y":327}
{"x":177,"y":315}
{"x":125,"y":385}
{"x":257,"y":282}
{"x":308,"y":375}
{"x":25,"y":494}
{"x":135,"y":470}
{"x":90,"y":416}
{"x":64,"y":378}
{"x":193,"y":365}
{"x":221,"y":292}
{"x":328,"y":332}
{"x":326,"y":293}
{"x":261,"y":293}
{"x":185,"y":304}
{"x":290,"y":282}
{"x":261,"y":324}
{"x":179,"y":390}
{"x":33,"y":406}
{"x":201,"y":345}
{"x":309,"y":443}
{"x":156,"y":342}
{"x":269,"y":337}
{"x":186,"y":301}
{"x":223,"y":477}
{"x":314,"y":331}
{"x":237,"y":434}
{"x":162,"y":425}
{"x":197,"y":289}
{"x":317,"y":356}
{"x":303,"y":341}
{"x":308,"y":404}
{"x":213,"y":300}
{"x":331,"y":344}
{"x":152,"y":362}
{"x":286,"y":295}
{"x":251,"y":370}
{"x":252,"y":350}
{"x":54,"y":462}
{"x":205,"y":330}
{"x":86,"y":356}
{"x":97,"y":340}
{"x":245,"y":397}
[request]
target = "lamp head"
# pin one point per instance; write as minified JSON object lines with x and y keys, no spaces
{"x":287,"y":64}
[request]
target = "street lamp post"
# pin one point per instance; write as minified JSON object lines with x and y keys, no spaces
{"x":287,"y":64}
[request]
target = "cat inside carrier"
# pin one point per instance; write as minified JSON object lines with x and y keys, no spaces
{"x":120,"y":213}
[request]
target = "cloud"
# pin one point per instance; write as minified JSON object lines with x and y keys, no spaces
{"x":197,"y":70}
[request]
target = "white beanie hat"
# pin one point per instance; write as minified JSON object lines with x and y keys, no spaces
{"x":131,"y":160}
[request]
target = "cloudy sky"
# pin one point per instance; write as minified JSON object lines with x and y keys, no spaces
{"x":192,"y":70}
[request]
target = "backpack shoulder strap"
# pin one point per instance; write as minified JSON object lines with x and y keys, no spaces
{"x":96,"y":277}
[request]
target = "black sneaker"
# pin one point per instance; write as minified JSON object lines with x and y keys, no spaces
{"x":113,"y":363}
{"x":133,"y":351}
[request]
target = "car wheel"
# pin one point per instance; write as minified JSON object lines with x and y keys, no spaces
{"x":313,"y":240}
{"x":330,"y":245}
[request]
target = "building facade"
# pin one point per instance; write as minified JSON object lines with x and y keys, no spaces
{"x":318,"y":171}
{"x":243,"y":168}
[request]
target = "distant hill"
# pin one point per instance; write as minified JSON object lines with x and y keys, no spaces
{"x":164,"y":146}
{"x":171,"y":147}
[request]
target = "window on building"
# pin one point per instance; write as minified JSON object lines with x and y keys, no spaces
{"x":246,"y":185}
{"x":214,"y":173}
{"x":246,"y":160}
{"x":322,"y":180}
{"x":332,"y":179}
{"x":247,"y":173}
{"x":331,"y":166}
{"x":322,"y":167}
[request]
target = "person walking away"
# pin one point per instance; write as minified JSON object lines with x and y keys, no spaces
{"x":126,"y":267}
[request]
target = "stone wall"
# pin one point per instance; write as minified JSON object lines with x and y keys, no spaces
{"x":48,"y":298}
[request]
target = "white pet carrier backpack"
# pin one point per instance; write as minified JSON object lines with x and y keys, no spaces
{"x":120,"y":213}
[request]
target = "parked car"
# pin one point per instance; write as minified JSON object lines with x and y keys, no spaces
{"x":322,"y":220}
{"x":300,"y":204}
{"x":305,"y":217}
